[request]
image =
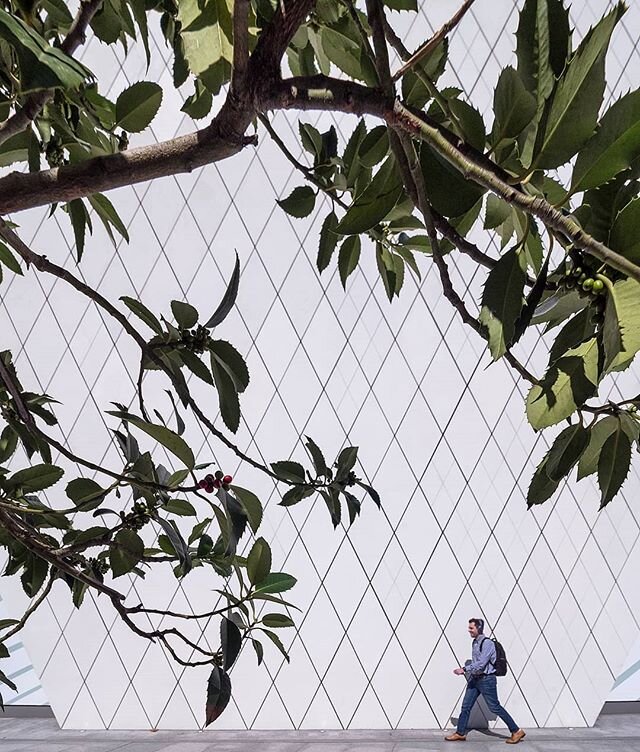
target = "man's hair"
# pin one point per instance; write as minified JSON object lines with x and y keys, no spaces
{"x":479,"y":624}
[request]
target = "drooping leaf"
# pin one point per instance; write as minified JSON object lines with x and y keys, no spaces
{"x":542,"y":487}
{"x":502,"y":301}
{"x":625,"y":233}
{"x":227,"y":394}
{"x":600,"y":432}
{"x":372,"y":493}
{"x":277,"y":642}
{"x":177,"y":542}
{"x":319,"y":461}
{"x":531,"y":303}
{"x":348,"y":257}
{"x":613,"y":465}
{"x":577,"y":98}
{"x":229,"y":359}
{"x":542,"y":44}
{"x":109,"y":217}
{"x":218,"y":694}
{"x":259,"y":561}
{"x":568,"y":383}
{"x":375,"y":202}
{"x":513,"y":106}
{"x":207,"y":40}
{"x":143,"y":313}
{"x":42,"y":66}
{"x":231,"y":642}
{"x":126,"y":552}
{"x":251,"y":505}
{"x":300,"y":202}
{"x":137,"y":106}
{"x":85,"y":493}
{"x":577,"y":330}
{"x":165,"y":436}
{"x":566,"y":450}
{"x":626,"y":298}
{"x":328,"y":241}
{"x":613,"y":148}
{"x":229,"y":298}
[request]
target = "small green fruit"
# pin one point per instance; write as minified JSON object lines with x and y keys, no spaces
{"x":587,"y":284}
{"x":598,"y":285}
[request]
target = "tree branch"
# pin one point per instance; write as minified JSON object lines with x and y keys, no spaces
{"x":240,"y":46}
{"x":430,"y":45}
{"x":34,"y":103}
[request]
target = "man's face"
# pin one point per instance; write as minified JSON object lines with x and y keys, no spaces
{"x":473,"y":630}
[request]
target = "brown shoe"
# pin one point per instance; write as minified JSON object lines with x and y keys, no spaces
{"x":516,"y":737}
{"x":456,"y":737}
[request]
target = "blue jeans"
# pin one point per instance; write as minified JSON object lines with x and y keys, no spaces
{"x":487,"y":687}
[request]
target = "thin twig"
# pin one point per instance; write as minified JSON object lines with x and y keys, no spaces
{"x":430,"y":45}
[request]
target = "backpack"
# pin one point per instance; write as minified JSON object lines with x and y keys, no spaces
{"x":500,"y":665}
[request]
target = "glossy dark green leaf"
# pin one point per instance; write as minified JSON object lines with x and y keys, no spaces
{"x":289,"y":470}
{"x":300,"y":202}
{"x":138,"y":105}
{"x":227,"y":394}
{"x":319,"y":461}
{"x":108,"y":215}
{"x":600,"y":432}
{"x":35,"y":478}
{"x":9,"y":260}
{"x":228,"y":358}
{"x":449,"y":192}
{"x":143,"y":313}
{"x":328,"y":241}
{"x":229,"y":298}
{"x":126,"y":553}
{"x":568,"y":447}
{"x":502,"y":301}
{"x":348,"y":257}
{"x":185,"y":315}
{"x":613,"y":465}
{"x":514,"y":107}
{"x":251,"y":505}
{"x":259,"y":561}
{"x":542,"y":487}
{"x":231,"y":642}
{"x":374,"y":147}
{"x":85,"y":493}
{"x":181,"y":507}
{"x":276,"y":582}
{"x":277,"y":621}
{"x":625,"y":233}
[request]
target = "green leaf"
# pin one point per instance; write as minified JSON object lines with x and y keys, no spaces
{"x":470,"y":121}
{"x":185,"y":315}
{"x":181,"y":507}
{"x":278,"y":643}
{"x":174,"y":443}
{"x":126,"y":553}
{"x":417,"y":83}
{"x":229,"y":298}
{"x":613,"y":148}
{"x":257,"y":646}
{"x":227,"y":393}
{"x":566,"y":450}
{"x":300,"y":202}
{"x":276,"y":582}
{"x":251,"y":505}
{"x":557,"y":307}
{"x":311,"y":138}
{"x":143,"y":313}
{"x":600,"y":432}
{"x":576,"y":331}
{"x":375,"y":202}
{"x":496,"y":212}
{"x":41,"y":65}
{"x":230,"y":641}
{"x":542,"y":43}
{"x":402,"y":4}
{"x":348,"y":258}
{"x":625,"y":233}
{"x":289,"y":470}
{"x":259,"y":562}
{"x":34,"y":575}
{"x":85,"y":493}
{"x":613,"y":465}
{"x":178,"y":543}
{"x":138,"y":105}
{"x":277,"y":621}
{"x":571,"y":381}
{"x":502,"y":301}
{"x":295,"y":495}
{"x":573,"y":113}
{"x":205,"y":546}
{"x":374,"y":147}
{"x":218,"y":694}
{"x":513,"y":105}
{"x":342,"y":45}
{"x":79,"y":220}
{"x":319,"y":461}
{"x":207,"y":39}
{"x":372,"y":493}
{"x":626,"y":295}
{"x":542,"y":487}
{"x":108,"y":216}
{"x":328,"y":241}
{"x":199,"y":104}
{"x":346,"y":461}
{"x":9,"y":260}
{"x":228,"y":358}
{"x":449,"y":192}
{"x":35,"y":478}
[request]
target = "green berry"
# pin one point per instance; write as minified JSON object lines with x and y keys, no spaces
{"x":598,"y":285}
{"x":587,"y":284}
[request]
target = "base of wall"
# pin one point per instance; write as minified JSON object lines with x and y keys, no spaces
{"x":621,"y":707}
{"x":27,"y":711}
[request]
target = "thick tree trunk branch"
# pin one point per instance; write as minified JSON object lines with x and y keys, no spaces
{"x":36,"y":101}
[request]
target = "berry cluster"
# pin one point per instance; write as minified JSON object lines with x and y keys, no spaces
{"x":99,"y":566}
{"x":218,"y":480}
{"x":195,"y":340}
{"x":138,"y":518}
{"x":588,"y":283}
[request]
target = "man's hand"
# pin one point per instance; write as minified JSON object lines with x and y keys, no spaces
{"x":458,"y":671}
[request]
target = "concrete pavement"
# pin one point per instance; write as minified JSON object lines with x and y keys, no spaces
{"x":613,"y":733}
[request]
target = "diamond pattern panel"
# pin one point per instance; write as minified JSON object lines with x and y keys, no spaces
{"x":442,"y":435}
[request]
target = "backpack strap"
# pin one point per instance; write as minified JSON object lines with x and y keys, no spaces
{"x":484,"y":639}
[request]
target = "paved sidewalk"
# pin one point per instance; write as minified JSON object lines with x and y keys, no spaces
{"x":613,"y":733}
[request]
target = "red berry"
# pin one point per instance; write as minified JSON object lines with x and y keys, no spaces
{"x":227,"y":479}
{"x":203,"y":483}
{"x":209,"y":478}
{"x":209,"y":488}
{"x":217,"y":483}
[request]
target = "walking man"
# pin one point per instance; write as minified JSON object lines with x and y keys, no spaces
{"x":481,"y":680}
